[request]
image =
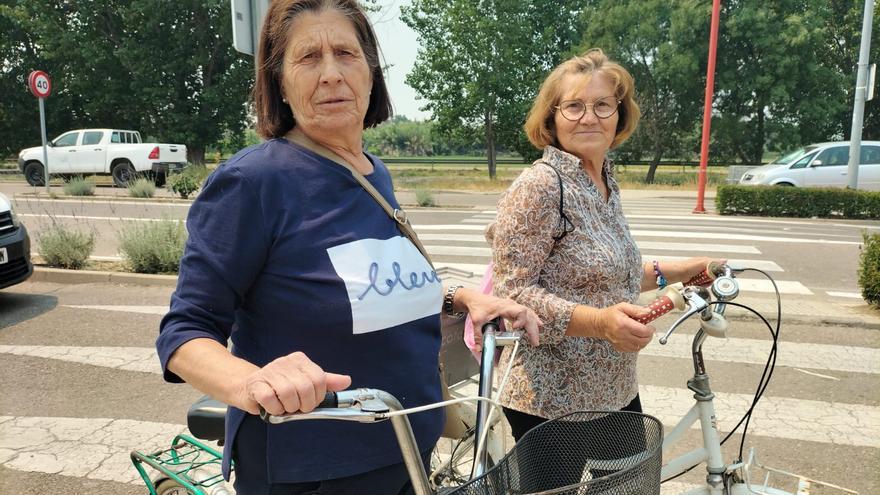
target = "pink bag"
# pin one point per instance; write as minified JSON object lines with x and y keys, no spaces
{"x":485,"y":288}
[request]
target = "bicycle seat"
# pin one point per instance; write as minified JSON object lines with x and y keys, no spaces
{"x":206,"y":419}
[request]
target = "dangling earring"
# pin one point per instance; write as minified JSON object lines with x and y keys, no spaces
{"x":284,"y":100}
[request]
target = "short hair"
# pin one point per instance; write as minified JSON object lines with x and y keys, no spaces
{"x":274,"y":117}
{"x":540,"y":127}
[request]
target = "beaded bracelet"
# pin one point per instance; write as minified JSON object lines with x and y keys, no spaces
{"x":661,"y":280}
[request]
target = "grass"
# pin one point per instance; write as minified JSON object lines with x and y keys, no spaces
{"x":425,"y":198}
{"x":470,"y":178}
{"x":477,"y":179}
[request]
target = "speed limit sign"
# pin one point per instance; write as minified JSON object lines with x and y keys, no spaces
{"x":39,"y":84}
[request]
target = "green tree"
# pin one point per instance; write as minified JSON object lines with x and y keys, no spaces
{"x":167,"y":69}
{"x":662,"y":44}
{"x":21,"y":52}
{"x":837,"y":28}
{"x":785,"y":75}
{"x":481,"y":61}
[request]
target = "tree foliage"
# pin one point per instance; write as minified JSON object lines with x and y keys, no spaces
{"x":663,"y":50}
{"x":480,"y":62}
{"x":403,"y":137}
{"x":167,"y":69}
{"x":784,"y":77}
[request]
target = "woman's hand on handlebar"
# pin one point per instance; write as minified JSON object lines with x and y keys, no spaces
{"x":677,"y":271}
{"x":616,"y":325}
{"x":483,"y":308}
{"x":290,"y":384}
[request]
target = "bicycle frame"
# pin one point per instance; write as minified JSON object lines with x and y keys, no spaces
{"x":704,"y":412}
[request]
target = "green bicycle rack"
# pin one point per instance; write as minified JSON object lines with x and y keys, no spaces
{"x":190,"y":463}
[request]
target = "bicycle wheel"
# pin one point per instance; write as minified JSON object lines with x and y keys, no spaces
{"x":167,"y":486}
{"x":613,"y":453}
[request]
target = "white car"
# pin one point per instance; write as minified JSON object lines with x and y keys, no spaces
{"x":15,"y":247}
{"x":116,"y":152}
{"x":820,"y":165}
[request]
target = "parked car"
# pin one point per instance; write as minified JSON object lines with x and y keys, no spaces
{"x":15,"y":247}
{"x":820,"y":165}
{"x":115,"y":152}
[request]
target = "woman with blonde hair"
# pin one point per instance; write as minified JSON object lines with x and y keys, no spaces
{"x":561,"y":246}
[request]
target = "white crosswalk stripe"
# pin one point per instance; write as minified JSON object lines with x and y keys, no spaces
{"x":665,"y":246}
{"x":731,"y":350}
{"x":64,"y":446}
{"x":767,"y":266}
{"x":739,"y":237}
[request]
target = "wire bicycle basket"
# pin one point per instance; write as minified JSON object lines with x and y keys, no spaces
{"x":612,"y":453}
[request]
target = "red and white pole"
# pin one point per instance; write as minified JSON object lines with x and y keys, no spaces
{"x":707,"y":107}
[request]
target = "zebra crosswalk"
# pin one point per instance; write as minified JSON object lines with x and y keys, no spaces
{"x":821,"y":414}
{"x":462,"y":245}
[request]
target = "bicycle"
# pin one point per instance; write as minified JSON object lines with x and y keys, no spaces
{"x":735,"y":478}
{"x":717,"y":282}
{"x":552,"y":458}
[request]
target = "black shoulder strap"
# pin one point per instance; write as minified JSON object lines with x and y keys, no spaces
{"x":565,"y":224}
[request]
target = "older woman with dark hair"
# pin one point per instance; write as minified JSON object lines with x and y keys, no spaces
{"x":568,"y":253}
{"x":291,"y":258}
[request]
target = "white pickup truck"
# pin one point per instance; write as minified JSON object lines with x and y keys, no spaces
{"x":116,"y":152}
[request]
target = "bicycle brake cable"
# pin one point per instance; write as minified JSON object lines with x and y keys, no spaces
{"x":769,"y":366}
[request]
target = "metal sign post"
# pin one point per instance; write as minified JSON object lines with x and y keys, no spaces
{"x":247,"y":20}
{"x":707,"y":108}
{"x":855,"y":135}
{"x":45,"y":149}
{"x":41,"y":87}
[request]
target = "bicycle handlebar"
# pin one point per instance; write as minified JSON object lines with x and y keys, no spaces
{"x":668,"y":300}
{"x":706,"y":277}
{"x":716,"y":280}
{"x":369,"y":401}
{"x":331,"y":400}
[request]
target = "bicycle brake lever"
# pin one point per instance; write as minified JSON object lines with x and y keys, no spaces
{"x":695,"y":304}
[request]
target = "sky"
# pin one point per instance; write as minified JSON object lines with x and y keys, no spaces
{"x":399,"y":45}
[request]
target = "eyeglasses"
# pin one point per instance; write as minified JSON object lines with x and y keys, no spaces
{"x":575,"y":109}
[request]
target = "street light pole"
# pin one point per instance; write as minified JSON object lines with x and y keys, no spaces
{"x":707,"y":107}
{"x":855,"y":136}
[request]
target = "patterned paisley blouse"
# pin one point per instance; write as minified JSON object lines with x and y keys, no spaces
{"x":597,"y":264}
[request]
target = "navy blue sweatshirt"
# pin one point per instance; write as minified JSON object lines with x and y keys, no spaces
{"x":287,"y":252}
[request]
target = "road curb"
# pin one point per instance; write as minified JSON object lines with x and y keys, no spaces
{"x":62,"y":276}
{"x":96,"y":198}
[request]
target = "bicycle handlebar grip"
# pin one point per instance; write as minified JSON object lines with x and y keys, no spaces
{"x":330,"y":401}
{"x":669,"y":299}
{"x":707,"y":276}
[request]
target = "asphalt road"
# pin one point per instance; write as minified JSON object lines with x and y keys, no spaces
{"x":78,"y":395}
{"x":81,"y":389}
